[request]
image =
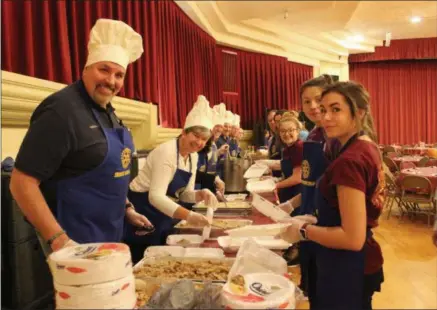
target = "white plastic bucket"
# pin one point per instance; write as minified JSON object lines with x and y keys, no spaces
{"x":262,"y":291}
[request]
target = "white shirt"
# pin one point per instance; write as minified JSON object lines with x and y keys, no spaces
{"x":157,"y":173}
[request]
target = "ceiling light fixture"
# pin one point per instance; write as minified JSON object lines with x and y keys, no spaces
{"x":356,"y":38}
{"x":416,"y":19}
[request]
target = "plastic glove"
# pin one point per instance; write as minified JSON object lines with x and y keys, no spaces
{"x":69,"y":244}
{"x":208,"y":197}
{"x":291,"y":233}
{"x":223,"y":149}
{"x":287,"y":206}
{"x":306,"y":218}
{"x":197,"y":219}
{"x":219,"y":184}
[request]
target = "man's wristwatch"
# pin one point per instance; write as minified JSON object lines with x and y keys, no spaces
{"x":303,"y":231}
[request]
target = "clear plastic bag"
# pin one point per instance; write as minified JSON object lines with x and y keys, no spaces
{"x":252,"y":258}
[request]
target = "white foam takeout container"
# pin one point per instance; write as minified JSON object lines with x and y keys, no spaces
{"x":257,"y":230}
{"x":194,"y":240}
{"x":232,"y":244}
{"x":178,"y":251}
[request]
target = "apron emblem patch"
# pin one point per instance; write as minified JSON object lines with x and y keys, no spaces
{"x":126,"y":158}
{"x":306,"y":169}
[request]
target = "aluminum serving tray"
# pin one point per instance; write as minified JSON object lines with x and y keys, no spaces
{"x":156,"y":260}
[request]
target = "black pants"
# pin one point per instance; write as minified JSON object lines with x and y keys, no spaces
{"x":137,"y":251}
{"x":372,"y":284}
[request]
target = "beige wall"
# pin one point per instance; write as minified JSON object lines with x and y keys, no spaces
{"x":21,"y":94}
{"x":342,"y":70}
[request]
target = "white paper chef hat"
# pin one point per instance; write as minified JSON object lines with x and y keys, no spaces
{"x":236,"y":120}
{"x":200,"y":114}
{"x":219,"y":114}
{"x":115,"y":41}
{"x":229,"y":117}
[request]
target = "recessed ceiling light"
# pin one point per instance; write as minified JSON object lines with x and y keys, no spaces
{"x":356,"y":38}
{"x":416,"y":19}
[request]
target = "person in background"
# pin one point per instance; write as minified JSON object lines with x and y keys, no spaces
{"x":272,"y":127}
{"x":316,"y":156}
{"x":71,"y":176}
{"x":207,"y":174}
{"x":225,"y":137}
{"x":167,"y":177}
{"x":290,"y":165}
{"x":349,"y":200}
{"x":234,"y":148}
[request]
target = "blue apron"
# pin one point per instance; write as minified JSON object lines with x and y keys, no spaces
{"x":234,"y":149}
{"x":314,"y":165}
{"x":340,"y":273}
{"x":91,"y":207}
{"x":221,"y":159}
{"x":285,"y":194}
{"x":163,"y":224}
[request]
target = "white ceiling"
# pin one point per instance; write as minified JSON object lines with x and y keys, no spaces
{"x":325,"y":26}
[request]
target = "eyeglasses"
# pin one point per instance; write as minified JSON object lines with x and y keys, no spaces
{"x":289,"y":131}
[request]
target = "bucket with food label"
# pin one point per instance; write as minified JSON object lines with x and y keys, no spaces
{"x":259,"y":291}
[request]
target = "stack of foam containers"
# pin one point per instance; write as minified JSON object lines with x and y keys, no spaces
{"x":93,"y":276}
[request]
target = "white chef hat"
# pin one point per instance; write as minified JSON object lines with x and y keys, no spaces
{"x":200,"y":114}
{"x":115,"y":41}
{"x":219,"y":113}
{"x":229,"y":117}
{"x":236,"y":120}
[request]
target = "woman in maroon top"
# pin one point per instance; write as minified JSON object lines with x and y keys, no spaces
{"x":290,"y":165}
{"x":349,"y":199}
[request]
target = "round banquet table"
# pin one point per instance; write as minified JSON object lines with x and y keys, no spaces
{"x":428,"y":172}
{"x":416,"y":150}
{"x":409,"y":158}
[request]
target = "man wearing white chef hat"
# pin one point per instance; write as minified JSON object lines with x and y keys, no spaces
{"x":167,"y":179}
{"x":72,"y":171}
{"x":227,"y":128}
{"x":234,"y":148}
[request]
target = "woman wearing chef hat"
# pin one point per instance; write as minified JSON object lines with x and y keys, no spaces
{"x":167,"y":177}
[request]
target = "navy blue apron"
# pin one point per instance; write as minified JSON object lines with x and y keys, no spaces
{"x":340,"y":273}
{"x":285,"y":194}
{"x":234,"y":149}
{"x":163,"y":224}
{"x":91,"y":207}
{"x":314,"y":165}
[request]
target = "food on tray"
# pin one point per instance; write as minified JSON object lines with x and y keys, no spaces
{"x":238,"y":285}
{"x":183,"y":242}
{"x":228,"y":205}
{"x":197,"y":270}
{"x":216,"y":223}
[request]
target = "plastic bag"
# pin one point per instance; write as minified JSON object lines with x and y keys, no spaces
{"x":252,"y":258}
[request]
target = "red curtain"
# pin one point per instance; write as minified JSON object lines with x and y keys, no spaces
{"x":263,"y":82}
{"x":422,"y":48}
{"x":403,"y":99}
{"x":187,"y":65}
{"x":297,"y":74}
{"x":33,"y":42}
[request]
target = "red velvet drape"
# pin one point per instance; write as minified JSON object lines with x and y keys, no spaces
{"x":403,"y":97}
{"x":264,"y":81}
{"x":187,"y":65}
{"x":421,"y":48}
{"x":33,"y":42}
